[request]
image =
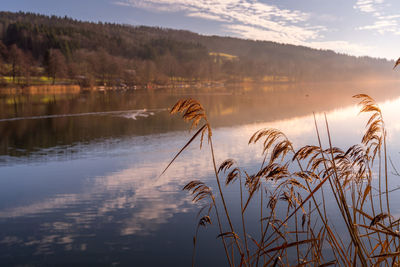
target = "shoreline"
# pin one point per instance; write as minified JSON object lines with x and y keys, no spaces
{"x":76,"y":89}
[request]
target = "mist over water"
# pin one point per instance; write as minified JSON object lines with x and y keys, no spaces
{"x":80,"y":173}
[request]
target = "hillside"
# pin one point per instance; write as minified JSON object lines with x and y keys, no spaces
{"x":63,"y":50}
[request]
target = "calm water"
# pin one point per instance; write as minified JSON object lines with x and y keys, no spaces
{"x":79,"y":174}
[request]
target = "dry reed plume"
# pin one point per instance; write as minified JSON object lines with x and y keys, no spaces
{"x":294,"y":226}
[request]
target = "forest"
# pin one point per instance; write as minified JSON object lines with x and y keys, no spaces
{"x":39,"y":49}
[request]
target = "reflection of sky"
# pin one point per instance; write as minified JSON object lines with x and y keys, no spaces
{"x":122,"y":186}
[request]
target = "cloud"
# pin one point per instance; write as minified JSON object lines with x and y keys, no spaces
{"x":383,"y":22}
{"x":246,"y":13}
{"x":292,"y":35}
{"x":206,"y":16}
{"x":343,"y":47}
{"x":368,"y":6}
{"x":382,"y":26}
{"x":251,"y":19}
{"x":346,"y":47}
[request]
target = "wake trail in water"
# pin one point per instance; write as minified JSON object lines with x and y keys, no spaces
{"x":117,"y":112}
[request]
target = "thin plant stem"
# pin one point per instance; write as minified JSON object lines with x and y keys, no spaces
{"x":242,"y":215}
{"x":223,"y":199}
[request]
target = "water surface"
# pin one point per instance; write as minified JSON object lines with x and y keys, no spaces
{"x":79,"y":173}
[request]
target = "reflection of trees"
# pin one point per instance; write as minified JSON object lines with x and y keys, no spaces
{"x":226,"y":107}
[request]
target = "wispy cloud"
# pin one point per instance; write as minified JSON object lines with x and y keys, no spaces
{"x":244,"y":11}
{"x":205,"y":16}
{"x":244,"y":14}
{"x":292,"y":36}
{"x":384,"y":20}
{"x":382,"y":25}
{"x":368,"y":6}
{"x":266,"y":35}
{"x":252,"y":19}
{"x":343,"y":47}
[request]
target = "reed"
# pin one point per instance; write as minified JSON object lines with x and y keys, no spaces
{"x":291,"y":186}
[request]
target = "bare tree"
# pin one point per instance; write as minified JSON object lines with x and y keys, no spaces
{"x":56,"y":66}
{"x":169,"y":66}
{"x":15,"y":59}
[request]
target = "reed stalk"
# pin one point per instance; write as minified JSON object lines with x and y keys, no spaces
{"x":300,"y":234}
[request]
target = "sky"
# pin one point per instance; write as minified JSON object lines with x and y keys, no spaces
{"x":355,"y":27}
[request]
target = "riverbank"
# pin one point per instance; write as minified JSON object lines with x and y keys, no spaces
{"x":74,"y":88}
{"x":246,"y":85}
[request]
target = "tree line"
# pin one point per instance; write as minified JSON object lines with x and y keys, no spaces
{"x":65,"y":50}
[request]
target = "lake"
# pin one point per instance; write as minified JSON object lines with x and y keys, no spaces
{"x":80,"y":173}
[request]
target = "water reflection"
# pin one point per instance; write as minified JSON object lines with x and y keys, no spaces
{"x":62,"y":120}
{"x":104,"y":201}
{"x":129,"y":114}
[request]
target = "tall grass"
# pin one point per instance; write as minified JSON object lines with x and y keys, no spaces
{"x":294,"y":189}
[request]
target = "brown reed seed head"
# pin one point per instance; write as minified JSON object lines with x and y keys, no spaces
{"x":198,"y":190}
{"x":350,"y":172}
{"x":272,"y":136}
{"x":375,"y":133}
{"x":193,"y":111}
{"x":204,"y":221}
